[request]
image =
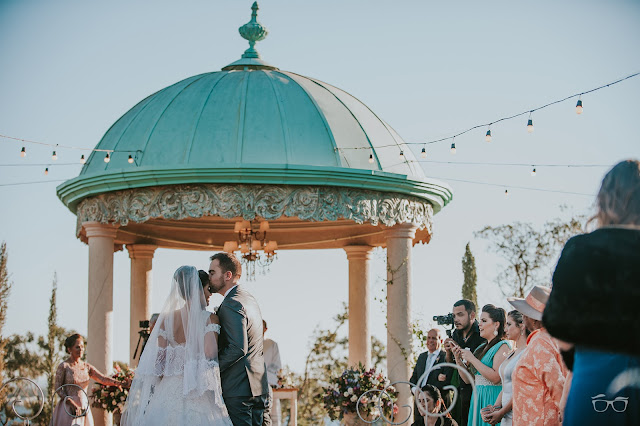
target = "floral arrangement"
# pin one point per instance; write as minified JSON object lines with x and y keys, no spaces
{"x":111,"y":398}
{"x":285,"y":379}
{"x":341,"y":395}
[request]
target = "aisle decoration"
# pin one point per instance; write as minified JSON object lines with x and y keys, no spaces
{"x":111,"y":398}
{"x":344,"y":397}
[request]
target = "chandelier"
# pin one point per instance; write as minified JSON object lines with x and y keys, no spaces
{"x":254,"y":247}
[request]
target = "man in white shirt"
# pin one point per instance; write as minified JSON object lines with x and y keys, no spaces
{"x":439,"y":378}
{"x":274,"y":364}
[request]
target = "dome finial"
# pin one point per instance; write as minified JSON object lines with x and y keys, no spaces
{"x":253,"y":31}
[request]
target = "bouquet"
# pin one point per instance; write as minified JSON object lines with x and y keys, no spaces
{"x":111,"y":398}
{"x":342,"y":394}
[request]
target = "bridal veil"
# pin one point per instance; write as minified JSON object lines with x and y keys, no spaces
{"x":182,"y":346}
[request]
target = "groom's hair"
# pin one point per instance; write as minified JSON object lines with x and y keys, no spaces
{"x":228,"y":262}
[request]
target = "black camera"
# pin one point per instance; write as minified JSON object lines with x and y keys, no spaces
{"x":444,"y":319}
{"x":144,"y":324}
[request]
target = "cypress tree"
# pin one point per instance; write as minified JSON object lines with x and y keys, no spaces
{"x":470,"y":276}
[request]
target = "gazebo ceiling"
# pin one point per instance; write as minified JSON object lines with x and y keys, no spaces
{"x":210,"y":232}
{"x":256,"y":126}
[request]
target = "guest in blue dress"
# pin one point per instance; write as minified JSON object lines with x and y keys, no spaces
{"x":485,"y":362}
{"x":593,"y":307}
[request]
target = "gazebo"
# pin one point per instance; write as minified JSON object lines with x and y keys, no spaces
{"x":244,"y":149}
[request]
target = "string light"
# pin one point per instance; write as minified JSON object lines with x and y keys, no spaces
{"x":23,"y":152}
{"x":423,"y":154}
{"x":488,"y":136}
{"x":107,"y":158}
{"x":453,"y":147}
{"x":82,"y":159}
{"x":530,"y":124}
{"x":533,"y":172}
{"x":506,"y":192}
{"x":54,"y":156}
{"x":46,"y":171}
{"x":446,"y":138}
{"x":579,"y":107}
{"x":370,"y":158}
{"x":401,"y":155}
{"x":130,"y":160}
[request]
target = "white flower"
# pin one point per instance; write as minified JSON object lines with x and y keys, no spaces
{"x":346,"y":394}
{"x":350,"y":390}
{"x":354,"y":398}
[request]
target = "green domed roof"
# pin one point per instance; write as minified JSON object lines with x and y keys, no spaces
{"x":252,"y":123}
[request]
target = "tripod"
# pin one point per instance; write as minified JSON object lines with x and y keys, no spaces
{"x":143,"y":337}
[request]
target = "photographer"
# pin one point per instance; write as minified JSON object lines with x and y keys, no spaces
{"x":465,"y":335}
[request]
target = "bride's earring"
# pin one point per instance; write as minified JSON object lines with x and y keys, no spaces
{"x":495,"y":332}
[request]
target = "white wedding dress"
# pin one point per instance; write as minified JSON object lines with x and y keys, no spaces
{"x":177,"y":381}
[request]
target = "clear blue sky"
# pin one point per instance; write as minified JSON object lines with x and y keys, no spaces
{"x":69,"y":69}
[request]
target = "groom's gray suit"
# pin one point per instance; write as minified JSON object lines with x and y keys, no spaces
{"x":244,"y":379}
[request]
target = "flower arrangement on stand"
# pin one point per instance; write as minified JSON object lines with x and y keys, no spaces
{"x":340,"y":397}
{"x":285,"y":379}
{"x":111,"y":398}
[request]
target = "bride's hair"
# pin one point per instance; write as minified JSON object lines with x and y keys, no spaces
{"x":204,"y":278}
{"x":180,"y":276}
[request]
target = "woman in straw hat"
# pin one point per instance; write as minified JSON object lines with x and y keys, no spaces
{"x":594,"y":306}
{"x":539,"y":376}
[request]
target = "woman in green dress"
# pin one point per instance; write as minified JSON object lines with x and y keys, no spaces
{"x":486,"y":361}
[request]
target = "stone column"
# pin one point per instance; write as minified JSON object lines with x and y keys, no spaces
{"x":359,"y":332}
{"x":399,"y":241}
{"x":141,"y":256}
{"x":99,"y":317}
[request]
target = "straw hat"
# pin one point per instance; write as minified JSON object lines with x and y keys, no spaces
{"x":533,"y":305}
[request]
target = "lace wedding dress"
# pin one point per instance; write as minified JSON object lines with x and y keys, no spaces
{"x":177,"y":381}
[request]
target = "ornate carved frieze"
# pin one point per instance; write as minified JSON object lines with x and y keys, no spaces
{"x":312,"y":203}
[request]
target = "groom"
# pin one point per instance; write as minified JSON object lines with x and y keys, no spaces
{"x":244,"y":380}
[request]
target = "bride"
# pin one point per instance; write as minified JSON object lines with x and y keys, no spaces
{"x":178,"y":378}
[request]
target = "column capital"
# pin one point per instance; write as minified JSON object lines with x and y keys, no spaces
{"x":97,"y":229}
{"x":141,"y":251}
{"x":401,"y":230}
{"x":358,"y":252}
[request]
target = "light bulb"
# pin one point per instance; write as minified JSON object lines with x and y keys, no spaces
{"x":23,"y":153}
{"x":453,"y":148}
{"x":46,"y":171}
{"x":54,"y":156}
{"x":82,"y":159}
{"x":402,"y":155}
{"x":506,"y":192}
{"x":130,"y":160}
{"x":530,"y":126}
{"x":370,"y":158}
{"x":107,"y":158}
{"x":423,"y":154}
{"x":579,"y":107}
{"x":488,"y":137}
{"x":533,"y":172}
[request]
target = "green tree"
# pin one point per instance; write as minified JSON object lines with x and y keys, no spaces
{"x":51,"y":350}
{"x":529,"y":252}
{"x":470,"y":276}
{"x":5,"y":290}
